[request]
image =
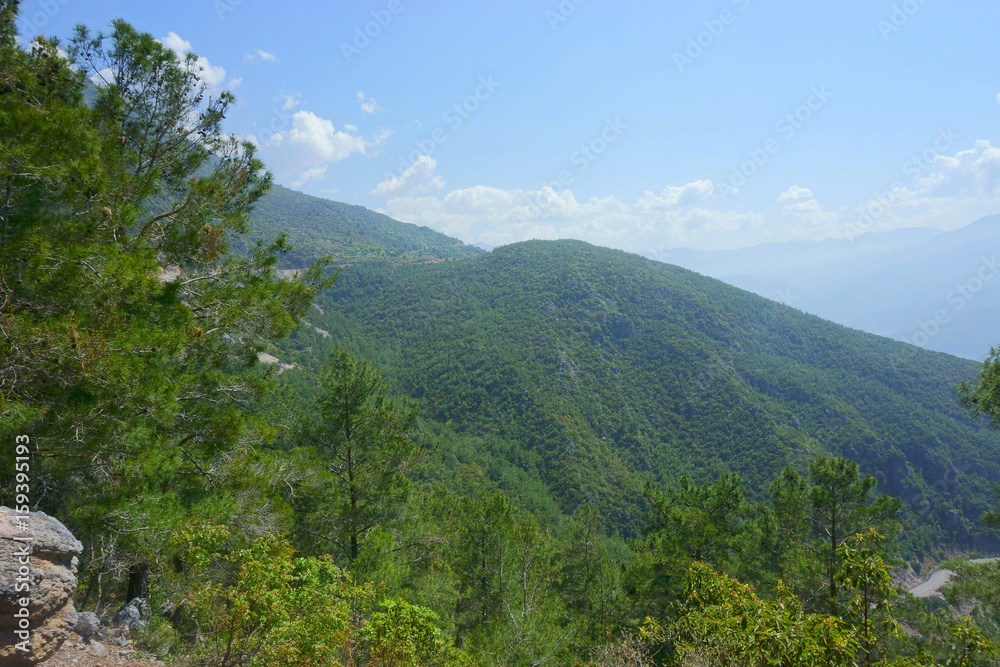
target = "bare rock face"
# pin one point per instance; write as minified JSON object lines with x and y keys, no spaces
{"x":37,"y":566}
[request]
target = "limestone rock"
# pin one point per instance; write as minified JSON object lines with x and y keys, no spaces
{"x":37,"y":565}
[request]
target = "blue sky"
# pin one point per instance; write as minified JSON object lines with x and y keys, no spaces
{"x":637,"y":125}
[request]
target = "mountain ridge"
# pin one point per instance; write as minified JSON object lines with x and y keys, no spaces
{"x":607,"y":370}
{"x":347,"y":233}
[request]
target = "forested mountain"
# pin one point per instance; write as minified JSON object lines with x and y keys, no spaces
{"x":609,"y":370}
{"x":318,"y":227}
{"x":564,"y":492}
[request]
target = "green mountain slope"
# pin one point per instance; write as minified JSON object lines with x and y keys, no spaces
{"x":609,"y":370}
{"x":316,"y":227}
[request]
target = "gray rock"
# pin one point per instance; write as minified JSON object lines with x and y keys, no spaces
{"x":98,"y":649}
{"x":131,"y":614}
{"x":50,"y":571}
{"x":87,"y":624}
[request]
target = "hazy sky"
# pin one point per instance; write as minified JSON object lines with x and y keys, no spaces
{"x":637,"y":125}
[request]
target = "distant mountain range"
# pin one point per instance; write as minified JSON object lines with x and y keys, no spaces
{"x":937,"y":290}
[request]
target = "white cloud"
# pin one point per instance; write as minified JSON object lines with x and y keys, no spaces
{"x":368,"y":104}
{"x":380,"y":136}
{"x":956,"y":190}
{"x":291,"y":101}
{"x":235,"y":83}
{"x":673,"y":196}
{"x":260,"y":56}
{"x":418,"y":177}
{"x":314,"y":174}
{"x":795,"y":193}
{"x":970,"y":173}
{"x":312,"y":143}
{"x":812,"y":213}
{"x":496,"y":216}
{"x":211,"y":75}
{"x":175,"y":43}
{"x":103,"y":77}
{"x":819,"y":223}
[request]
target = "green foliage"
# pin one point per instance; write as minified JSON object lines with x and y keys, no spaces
{"x":726,"y":623}
{"x":711,"y":523}
{"x":402,"y":634}
{"x":983,"y":397}
{"x":697,"y":521}
{"x":278,"y":610}
{"x":970,"y":647}
{"x":590,"y":577}
{"x":819,"y":515}
{"x":508,"y":609}
{"x":978,"y":585}
{"x":366,"y":442}
{"x":863,"y":572}
{"x":606,"y":371}
{"x":128,"y":333}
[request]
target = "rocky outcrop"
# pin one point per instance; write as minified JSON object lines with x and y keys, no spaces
{"x":37,"y":580}
{"x":130,"y":616}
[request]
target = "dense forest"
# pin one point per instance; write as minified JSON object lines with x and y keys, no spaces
{"x":607,"y":371}
{"x":551,"y":454}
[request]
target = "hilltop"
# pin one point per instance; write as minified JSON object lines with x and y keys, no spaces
{"x":316,"y":227}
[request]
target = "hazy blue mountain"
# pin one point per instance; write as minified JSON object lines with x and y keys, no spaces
{"x":939,"y":290}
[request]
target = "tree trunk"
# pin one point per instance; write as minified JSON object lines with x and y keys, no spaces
{"x":138,"y":582}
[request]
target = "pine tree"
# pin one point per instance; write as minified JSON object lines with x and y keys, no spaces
{"x":367,"y":441}
{"x":129,"y":333}
{"x":818,"y":515}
